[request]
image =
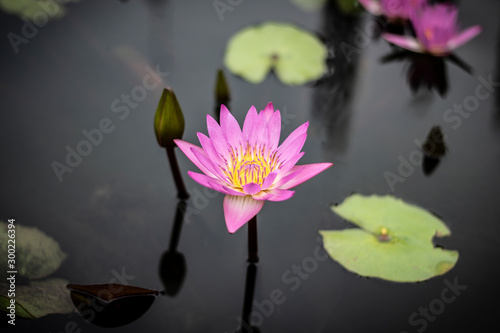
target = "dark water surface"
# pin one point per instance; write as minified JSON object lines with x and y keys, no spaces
{"x":115,"y":211}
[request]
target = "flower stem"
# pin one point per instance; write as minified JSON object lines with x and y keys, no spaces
{"x":176,"y":173}
{"x":252,"y":240}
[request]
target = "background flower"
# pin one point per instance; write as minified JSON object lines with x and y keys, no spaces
{"x":436,"y":30}
{"x":392,"y":9}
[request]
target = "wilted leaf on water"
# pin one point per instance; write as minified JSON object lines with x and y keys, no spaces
{"x":111,"y":305}
{"x":37,"y":255}
{"x":394,"y":241}
{"x":296,"y":55}
{"x":38,"y":298}
{"x":111,"y":291}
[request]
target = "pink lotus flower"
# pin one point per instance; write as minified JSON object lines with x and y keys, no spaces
{"x":437,"y":31}
{"x":248,"y":166}
{"x":392,"y":9}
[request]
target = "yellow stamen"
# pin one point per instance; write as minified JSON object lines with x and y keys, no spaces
{"x":250,"y":165}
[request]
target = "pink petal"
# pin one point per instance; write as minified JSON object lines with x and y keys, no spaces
{"x":239,"y":210}
{"x":230,"y":127}
{"x":203,"y":179}
{"x":260,"y":134}
{"x":463,"y":37}
{"x":273,"y":195}
{"x":218,"y":140}
{"x":280,"y":195}
{"x":188,"y":148}
{"x":298,"y":132}
{"x":207,"y":163}
{"x":217,"y":185}
{"x":290,"y":151}
{"x":288,"y":177}
{"x":274,"y":130}
{"x":405,"y":42}
{"x":268,"y":111}
{"x":307,"y":171}
{"x":269,"y":180}
{"x":209,"y":149}
{"x":288,"y":165}
{"x":250,"y":122}
{"x":251,"y":188}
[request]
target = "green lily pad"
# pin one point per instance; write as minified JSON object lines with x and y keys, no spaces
{"x":394,"y":241}
{"x":31,"y":9}
{"x":296,"y":55}
{"x":39,"y":298}
{"x":37,"y":255}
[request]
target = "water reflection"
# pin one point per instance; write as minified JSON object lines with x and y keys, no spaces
{"x":434,"y":148}
{"x":333,"y":93}
{"x":111,"y":305}
{"x":248,"y":301}
{"x":173,"y":264}
{"x":426,"y":71}
{"x":222,"y":93}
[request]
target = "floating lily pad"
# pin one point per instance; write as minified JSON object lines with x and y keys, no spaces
{"x":34,"y":9}
{"x":394,"y":241}
{"x":38,"y":298}
{"x":296,"y":55}
{"x":37,"y":255}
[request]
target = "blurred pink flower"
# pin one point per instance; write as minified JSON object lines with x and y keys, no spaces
{"x":437,"y":31}
{"x":248,"y":166}
{"x":392,"y":9}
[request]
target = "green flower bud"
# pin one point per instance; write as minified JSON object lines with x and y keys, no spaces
{"x":169,"y":121}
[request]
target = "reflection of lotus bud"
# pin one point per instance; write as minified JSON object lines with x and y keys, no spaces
{"x":434,"y":145}
{"x":169,"y":121}
{"x":222,"y":94}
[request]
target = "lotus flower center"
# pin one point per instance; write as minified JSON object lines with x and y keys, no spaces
{"x":250,"y":165}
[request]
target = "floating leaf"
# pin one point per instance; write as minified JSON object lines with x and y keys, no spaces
{"x":38,"y":298}
{"x":295,"y":55}
{"x":37,"y":255}
{"x":394,"y":242}
{"x":34,"y":9}
{"x":111,"y":305}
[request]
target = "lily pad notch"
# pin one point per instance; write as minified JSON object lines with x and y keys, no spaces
{"x":393,"y":241}
{"x":295,"y":55}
